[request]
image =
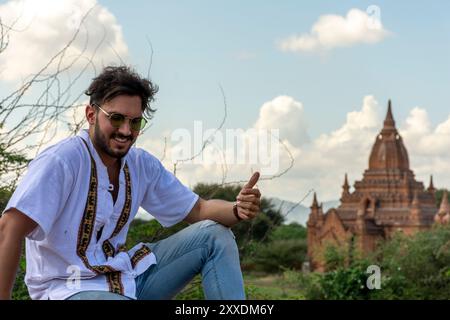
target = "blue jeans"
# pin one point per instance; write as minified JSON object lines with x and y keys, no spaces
{"x":205,"y":247}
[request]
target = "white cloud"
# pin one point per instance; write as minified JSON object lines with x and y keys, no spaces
{"x":417,"y":123}
{"x":286,"y":114}
{"x":429,"y":147}
{"x":332,"y":31}
{"x":55,"y":131}
{"x":322,"y":163}
{"x":359,"y":126}
{"x":45,"y":27}
{"x":426,"y":141}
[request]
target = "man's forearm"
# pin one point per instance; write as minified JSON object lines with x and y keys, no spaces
{"x":10,"y":251}
{"x":218,"y":210}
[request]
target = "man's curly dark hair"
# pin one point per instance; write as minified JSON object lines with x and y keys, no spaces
{"x":122,"y":80}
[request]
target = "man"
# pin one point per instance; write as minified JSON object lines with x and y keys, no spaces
{"x":78,"y":198}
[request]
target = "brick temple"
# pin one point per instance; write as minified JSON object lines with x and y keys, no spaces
{"x":386,"y":200}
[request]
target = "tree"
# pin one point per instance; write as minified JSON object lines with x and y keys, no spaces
{"x":290,"y":231}
{"x":25,"y":126}
{"x":5,"y":194}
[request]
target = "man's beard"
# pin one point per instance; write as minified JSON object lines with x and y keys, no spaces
{"x":101,"y":142}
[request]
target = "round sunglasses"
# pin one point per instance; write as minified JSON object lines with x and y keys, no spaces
{"x":118,"y":119}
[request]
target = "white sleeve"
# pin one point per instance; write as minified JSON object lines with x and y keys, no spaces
{"x":166,"y":198}
{"x":43,"y":192}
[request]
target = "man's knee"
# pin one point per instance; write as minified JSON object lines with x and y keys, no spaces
{"x":216,"y":230}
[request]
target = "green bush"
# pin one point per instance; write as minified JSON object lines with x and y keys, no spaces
{"x":308,"y":284}
{"x":346,"y":283}
{"x":416,"y":267}
{"x":344,"y":279}
{"x":285,"y":247}
{"x":289,"y":231}
{"x":335,"y":258}
{"x":412,"y":267}
{"x":277,"y":255}
{"x":5,"y":194}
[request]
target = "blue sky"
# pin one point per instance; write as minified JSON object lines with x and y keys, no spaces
{"x":332,"y":100}
{"x":196,"y":45}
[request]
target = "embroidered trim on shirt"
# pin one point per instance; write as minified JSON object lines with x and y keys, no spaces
{"x":115,"y":282}
{"x":139,"y":255}
{"x":107,"y":247}
{"x":125,"y":214}
{"x":122,"y":248}
{"x":86,"y":230}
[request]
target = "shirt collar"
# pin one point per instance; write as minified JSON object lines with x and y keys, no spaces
{"x":84,"y":134}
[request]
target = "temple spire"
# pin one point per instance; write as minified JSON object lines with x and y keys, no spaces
{"x":345,"y":187}
{"x":316,"y":215}
{"x":388,"y":151}
{"x":389,"y":122}
{"x":315,"y":204}
{"x":431,"y":187}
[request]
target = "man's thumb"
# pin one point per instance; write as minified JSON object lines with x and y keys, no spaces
{"x":253,"y":180}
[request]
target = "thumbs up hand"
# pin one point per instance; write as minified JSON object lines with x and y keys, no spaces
{"x":249,"y":199}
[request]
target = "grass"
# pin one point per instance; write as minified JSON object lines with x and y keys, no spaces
{"x":260,"y":286}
